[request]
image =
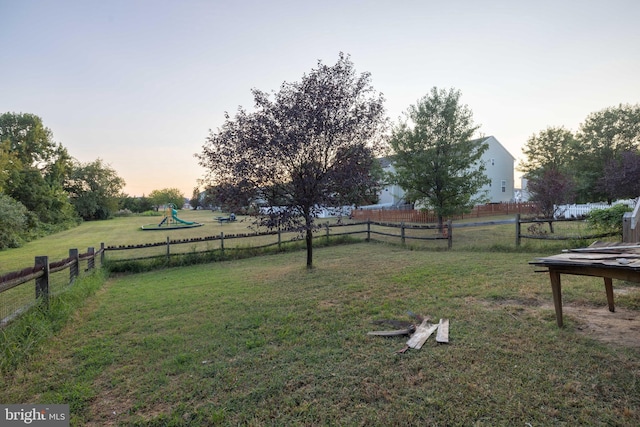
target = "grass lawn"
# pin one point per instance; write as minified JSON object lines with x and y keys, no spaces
{"x":263,"y":341}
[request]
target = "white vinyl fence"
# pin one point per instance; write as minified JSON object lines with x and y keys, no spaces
{"x":577,"y":211}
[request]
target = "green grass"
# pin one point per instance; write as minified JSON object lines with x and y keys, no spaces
{"x":263,"y":341}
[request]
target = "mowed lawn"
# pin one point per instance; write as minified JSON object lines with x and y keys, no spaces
{"x":263,"y":341}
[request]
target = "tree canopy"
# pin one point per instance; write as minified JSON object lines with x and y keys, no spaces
{"x":94,"y":189}
{"x":34,"y":167}
{"x":310,"y":145}
{"x":603,"y":137}
{"x":166,"y":196}
{"x":436,"y":160}
{"x":553,"y":148}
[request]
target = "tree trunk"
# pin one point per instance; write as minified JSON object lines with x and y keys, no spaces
{"x":309,"y":239}
{"x":440,"y":224}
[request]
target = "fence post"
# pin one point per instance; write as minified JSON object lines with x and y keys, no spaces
{"x":517,"y":230}
{"x":279,"y":239}
{"x":91,"y":262}
{"x":449,"y":234}
{"x":327,"y":227}
{"x":402,"y":233}
{"x":168,"y":249}
{"x":42,"y":283}
{"x":102,"y":254}
{"x":368,"y":229}
{"x":74,"y":270}
{"x":222,"y":242}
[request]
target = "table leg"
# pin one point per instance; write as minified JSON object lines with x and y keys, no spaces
{"x":557,"y":295}
{"x":608,"y":286}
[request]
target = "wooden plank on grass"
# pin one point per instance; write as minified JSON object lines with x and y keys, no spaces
{"x":423,"y":332}
{"x":443,"y":331}
{"x":393,"y":333}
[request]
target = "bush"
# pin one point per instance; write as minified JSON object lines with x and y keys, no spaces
{"x":13,"y":222}
{"x":608,"y":220}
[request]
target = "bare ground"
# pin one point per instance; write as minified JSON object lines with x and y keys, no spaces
{"x":621,"y":327}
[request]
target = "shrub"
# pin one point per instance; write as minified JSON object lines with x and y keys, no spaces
{"x":13,"y":222}
{"x":608,"y":220}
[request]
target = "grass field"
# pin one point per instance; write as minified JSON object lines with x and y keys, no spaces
{"x":127,"y":231}
{"x":263,"y":341}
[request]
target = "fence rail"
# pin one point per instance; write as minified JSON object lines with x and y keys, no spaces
{"x":532,"y":234}
{"x":16,"y":297}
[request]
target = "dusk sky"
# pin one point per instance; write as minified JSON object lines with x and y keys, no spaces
{"x":139,"y":84}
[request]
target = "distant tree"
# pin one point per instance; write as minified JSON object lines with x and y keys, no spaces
{"x":94,"y":189}
{"x":195,"y":201}
{"x":621,"y":177}
{"x":134,"y":204}
{"x":436,"y":161}
{"x":165,"y":196}
{"x":312,"y":146}
{"x":552,"y":148}
{"x":551,"y":189}
{"x":34,"y":168}
{"x":603,"y":137}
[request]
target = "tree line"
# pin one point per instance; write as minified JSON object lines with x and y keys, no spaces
{"x":599,"y":162}
{"x":43,"y":189}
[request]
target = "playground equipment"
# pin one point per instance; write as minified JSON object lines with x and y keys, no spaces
{"x":170,"y":221}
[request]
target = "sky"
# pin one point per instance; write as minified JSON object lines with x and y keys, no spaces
{"x":141,"y":84}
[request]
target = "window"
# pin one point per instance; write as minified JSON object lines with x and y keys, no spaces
{"x":503,"y":184}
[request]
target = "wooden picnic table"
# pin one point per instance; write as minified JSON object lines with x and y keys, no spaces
{"x":607,"y":260}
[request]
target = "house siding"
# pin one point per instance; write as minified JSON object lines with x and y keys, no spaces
{"x":499,"y":168}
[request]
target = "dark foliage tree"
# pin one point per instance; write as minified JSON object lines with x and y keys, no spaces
{"x":550,"y":189}
{"x":311,"y":145}
{"x":621,"y":177}
{"x":94,"y":189}
{"x":603,"y":137}
{"x":436,"y":161}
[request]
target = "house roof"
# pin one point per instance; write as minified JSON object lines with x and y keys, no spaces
{"x":486,"y":138}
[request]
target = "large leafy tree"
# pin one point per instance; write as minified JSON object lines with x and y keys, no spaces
{"x":312,"y":144}
{"x":550,"y":157}
{"x":553,"y":148}
{"x":94,"y":189}
{"x":34,"y":167}
{"x":436,"y":161}
{"x":603,"y":137}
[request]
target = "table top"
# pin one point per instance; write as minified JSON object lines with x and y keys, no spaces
{"x":600,"y":254}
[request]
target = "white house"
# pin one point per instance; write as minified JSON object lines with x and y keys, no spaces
{"x":499,"y":164}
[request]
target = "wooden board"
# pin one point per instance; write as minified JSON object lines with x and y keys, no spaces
{"x":423,"y":332}
{"x":443,"y":331}
{"x":391,"y":333}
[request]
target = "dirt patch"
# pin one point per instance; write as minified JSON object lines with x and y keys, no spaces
{"x":621,"y":327}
